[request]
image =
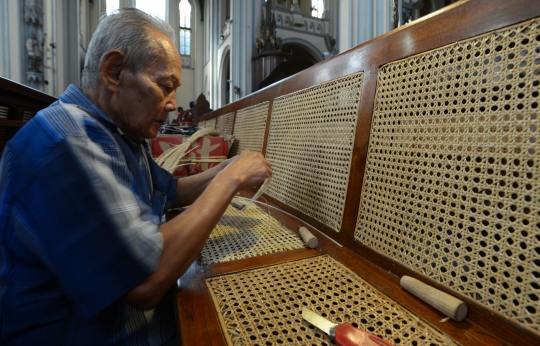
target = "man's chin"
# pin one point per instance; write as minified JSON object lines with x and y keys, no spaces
{"x":152,"y":133}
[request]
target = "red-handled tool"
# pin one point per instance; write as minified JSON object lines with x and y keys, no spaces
{"x":345,"y":334}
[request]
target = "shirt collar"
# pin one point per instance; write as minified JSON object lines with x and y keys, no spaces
{"x":75,"y":95}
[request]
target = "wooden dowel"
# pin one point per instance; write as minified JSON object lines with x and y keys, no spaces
{"x":445,"y":303}
{"x":309,"y":239}
{"x":238,"y":205}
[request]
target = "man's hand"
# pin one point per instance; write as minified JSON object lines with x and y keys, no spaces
{"x":185,"y":235}
{"x":249,"y":168}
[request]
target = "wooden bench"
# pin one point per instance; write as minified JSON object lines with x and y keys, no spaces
{"x":416,"y":154}
{"x":18,"y":104}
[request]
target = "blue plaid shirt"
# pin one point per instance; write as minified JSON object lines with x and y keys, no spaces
{"x":80,"y":207}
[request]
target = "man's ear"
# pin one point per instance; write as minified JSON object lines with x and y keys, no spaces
{"x":110,"y":68}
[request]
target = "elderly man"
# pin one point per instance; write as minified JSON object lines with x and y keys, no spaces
{"x":84,"y":258}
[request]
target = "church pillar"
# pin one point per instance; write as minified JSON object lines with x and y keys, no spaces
{"x":360,"y":21}
{"x":4,"y":39}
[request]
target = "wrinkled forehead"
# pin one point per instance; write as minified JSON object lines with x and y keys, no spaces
{"x":167,"y":58}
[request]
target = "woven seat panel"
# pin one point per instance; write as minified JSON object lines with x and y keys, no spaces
{"x":310,"y":146}
{"x":264,"y":306}
{"x":249,"y":128}
{"x":248,"y":233}
{"x":452,"y":179}
{"x":224,"y":123}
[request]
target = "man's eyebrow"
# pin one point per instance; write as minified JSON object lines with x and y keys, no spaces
{"x":172,"y":78}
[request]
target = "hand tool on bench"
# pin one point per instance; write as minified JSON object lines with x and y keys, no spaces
{"x":344,"y":334}
{"x":445,"y":303}
{"x":238,"y":205}
{"x":309,"y":239}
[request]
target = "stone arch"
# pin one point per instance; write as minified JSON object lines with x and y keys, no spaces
{"x":225,"y":83}
{"x":303,"y":45}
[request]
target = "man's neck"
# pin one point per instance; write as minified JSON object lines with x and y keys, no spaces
{"x":101,"y":98}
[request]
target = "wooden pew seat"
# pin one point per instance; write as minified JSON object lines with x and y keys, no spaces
{"x":416,"y":154}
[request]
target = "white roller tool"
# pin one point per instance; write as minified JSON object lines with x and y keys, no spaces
{"x":308,"y":238}
{"x":445,"y":303}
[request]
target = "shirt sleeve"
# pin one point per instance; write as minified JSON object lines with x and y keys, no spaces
{"x":89,"y":226}
{"x":163,"y":181}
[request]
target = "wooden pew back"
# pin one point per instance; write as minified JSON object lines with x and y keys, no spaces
{"x":418,"y":151}
{"x":18,"y":104}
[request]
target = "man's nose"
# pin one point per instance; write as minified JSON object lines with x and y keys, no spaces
{"x":171,"y":104}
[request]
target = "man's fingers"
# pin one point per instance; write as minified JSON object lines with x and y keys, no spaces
{"x":251,"y":167}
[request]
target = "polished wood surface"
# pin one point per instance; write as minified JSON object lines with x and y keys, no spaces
{"x":19,"y":102}
{"x":198,"y":322}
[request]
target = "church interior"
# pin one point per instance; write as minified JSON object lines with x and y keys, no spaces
{"x":405,"y":196}
{"x":216,"y":60}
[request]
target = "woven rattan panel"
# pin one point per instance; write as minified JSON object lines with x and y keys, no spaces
{"x":310,"y":147}
{"x":264,"y":306}
{"x":248,"y":233}
{"x":224,"y":123}
{"x":452,"y":182}
{"x":249,"y":128}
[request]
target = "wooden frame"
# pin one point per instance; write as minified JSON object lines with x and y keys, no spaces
{"x":197,"y":320}
{"x":19,"y":100}
{"x":484,"y":326}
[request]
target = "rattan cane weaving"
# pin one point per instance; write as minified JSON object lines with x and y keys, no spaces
{"x":264,"y":306}
{"x":310,"y":146}
{"x":249,"y":128}
{"x":225,"y":123}
{"x":247,"y":233}
{"x":452,"y":183}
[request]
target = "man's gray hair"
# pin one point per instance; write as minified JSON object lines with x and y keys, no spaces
{"x":128,"y":30}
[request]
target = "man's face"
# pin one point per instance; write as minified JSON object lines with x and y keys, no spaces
{"x":146,"y":97}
